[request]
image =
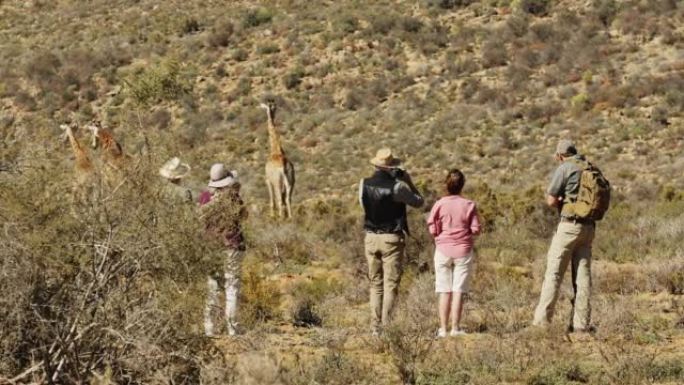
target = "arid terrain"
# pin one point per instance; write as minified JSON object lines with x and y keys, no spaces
{"x":103,"y":276}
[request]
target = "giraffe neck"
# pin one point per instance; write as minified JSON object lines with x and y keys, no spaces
{"x":274,"y":137}
{"x":110,"y":144}
{"x":82,"y":160}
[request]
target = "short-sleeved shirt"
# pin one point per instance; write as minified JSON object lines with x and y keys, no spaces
{"x":565,"y":180}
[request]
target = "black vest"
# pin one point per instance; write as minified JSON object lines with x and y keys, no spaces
{"x":382,"y":213}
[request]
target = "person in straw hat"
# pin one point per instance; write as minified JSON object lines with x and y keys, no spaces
{"x":222,"y":211}
{"x":384,"y":196}
{"x":174,"y":171}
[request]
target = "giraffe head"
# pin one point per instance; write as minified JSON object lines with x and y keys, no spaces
{"x":68,"y":130}
{"x":270,"y":107}
{"x":94,"y":127}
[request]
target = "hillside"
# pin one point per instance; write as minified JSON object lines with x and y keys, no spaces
{"x":107,"y":287}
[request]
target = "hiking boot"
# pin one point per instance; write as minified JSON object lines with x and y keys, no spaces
{"x":232,"y":327}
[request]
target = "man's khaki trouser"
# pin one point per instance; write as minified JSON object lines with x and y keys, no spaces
{"x":572,"y":243}
{"x":384,"y":254}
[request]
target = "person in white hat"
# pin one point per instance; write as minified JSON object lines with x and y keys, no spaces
{"x":174,"y":171}
{"x":222,"y":211}
{"x":384,"y":197}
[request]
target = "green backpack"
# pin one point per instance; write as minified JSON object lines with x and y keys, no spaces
{"x":593,"y":197}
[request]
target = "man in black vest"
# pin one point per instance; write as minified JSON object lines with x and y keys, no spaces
{"x":384,"y":197}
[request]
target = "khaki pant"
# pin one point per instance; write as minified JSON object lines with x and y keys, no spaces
{"x":384,"y":253}
{"x":232,"y":260}
{"x":570,"y":245}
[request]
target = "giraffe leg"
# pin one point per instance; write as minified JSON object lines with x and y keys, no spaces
{"x":288,"y":196}
{"x":271,"y":196}
{"x":279,"y":198}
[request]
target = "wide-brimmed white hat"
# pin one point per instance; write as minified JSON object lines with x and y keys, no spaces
{"x":220,"y":176}
{"x":384,"y":158}
{"x":174,"y":169}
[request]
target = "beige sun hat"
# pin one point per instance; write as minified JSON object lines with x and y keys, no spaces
{"x":220,"y":176}
{"x":384,"y":158}
{"x":174,"y":169}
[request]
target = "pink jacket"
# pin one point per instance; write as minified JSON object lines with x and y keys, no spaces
{"x":452,"y":222}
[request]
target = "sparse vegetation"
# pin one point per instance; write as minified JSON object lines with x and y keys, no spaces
{"x":112,"y":287}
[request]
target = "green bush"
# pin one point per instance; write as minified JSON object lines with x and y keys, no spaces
{"x":256,"y":17}
{"x":534,"y":7}
{"x":293,"y":79}
{"x":164,"y":82}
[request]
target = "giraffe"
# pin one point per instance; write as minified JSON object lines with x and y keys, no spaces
{"x":114,"y":162}
{"x":113,"y":152}
{"x":280,"y":173}
{"x":83,"y":166}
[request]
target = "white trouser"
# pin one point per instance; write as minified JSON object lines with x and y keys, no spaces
{"x":231,"y":285}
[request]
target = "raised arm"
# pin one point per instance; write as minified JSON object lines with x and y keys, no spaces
{"x":406,"y":192}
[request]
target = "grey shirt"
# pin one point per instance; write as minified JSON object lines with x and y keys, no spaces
{"x":402,"y":193}
{"x":565,"y":180}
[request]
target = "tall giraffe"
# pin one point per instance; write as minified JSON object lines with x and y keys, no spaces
{"x":280,"y":173}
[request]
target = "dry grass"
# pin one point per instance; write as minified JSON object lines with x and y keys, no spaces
{"x":488,"y":87}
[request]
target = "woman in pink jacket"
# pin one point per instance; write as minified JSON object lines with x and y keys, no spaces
{"x":453,"y":222}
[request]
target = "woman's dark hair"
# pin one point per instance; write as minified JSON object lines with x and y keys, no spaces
{"x":455,"y":181}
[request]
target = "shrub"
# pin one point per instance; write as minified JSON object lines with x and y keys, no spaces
{"x":494,"y":53}
{"x":605,"y":11}
{"x":114,"y":273}
{"x":447,"y":4}
{"x":411,"y":24}
{"x":220,"y":34}
{"x":239,"y":54}
{"x":383,"y":23}
{"x":307,"y":297}
{"x":159,"y":119}
{"x":259,"y":297}
{"x":189,"y":26}
{"x":346,"y":24}
{"x":293,"y":79}
{"x":409,"y":339}
{"x":534,"y":7}
{"x":267,"y":49}
{"x":256,"y":17}
{"x":164,"y":81}
{"x":581,"y":102}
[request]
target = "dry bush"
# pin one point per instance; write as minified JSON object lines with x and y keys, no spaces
{"x":259,"y":298}
{"x":494,"y":52}
{"x":410,"y":336}
{"x":334,"y":367}
{"x":108,"y":285}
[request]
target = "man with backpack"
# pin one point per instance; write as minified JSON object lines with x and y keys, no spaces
{"x":581,"y":194}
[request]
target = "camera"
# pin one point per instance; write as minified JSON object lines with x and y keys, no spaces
{"x":398,"y":173}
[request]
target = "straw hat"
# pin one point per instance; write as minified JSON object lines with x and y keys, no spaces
{"x":384,"y":158}
{"x":220,"y":176}
{"x":174,"y":169}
